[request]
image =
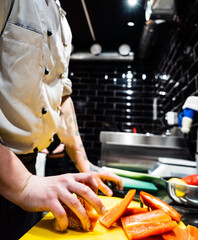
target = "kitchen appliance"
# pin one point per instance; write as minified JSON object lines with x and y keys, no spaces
{"x":168,"y":167}
{"x":139,"y":152}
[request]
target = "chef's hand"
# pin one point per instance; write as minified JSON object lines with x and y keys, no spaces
{"x":104,"y":177}
{"x":48,"y":194}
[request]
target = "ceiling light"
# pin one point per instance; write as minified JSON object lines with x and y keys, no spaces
{"x":124,"y":49}
{"x":143,"y":76}
{"x":96,"y":49}
{"x":132,"y":2}
{"x":131,"y":24}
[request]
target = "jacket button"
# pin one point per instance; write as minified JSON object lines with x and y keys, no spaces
{"x":64,"y":44}
{"x":49,"y":33}
{"x":44,"y":111}
{"x":46,"y":71}
{"x":62,"y":76}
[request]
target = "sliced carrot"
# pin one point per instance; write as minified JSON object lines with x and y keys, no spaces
{"x":134,"y":210}
{"x":155,"y":203}
{"x":155,"y":215}
{"x":141,"y":230}
{"x":189,"y":233}
{"x":112,"y":215}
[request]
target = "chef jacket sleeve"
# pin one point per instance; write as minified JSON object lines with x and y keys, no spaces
{"x":5,"y":8}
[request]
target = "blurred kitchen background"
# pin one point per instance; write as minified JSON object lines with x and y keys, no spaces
{"x":134,"y":63}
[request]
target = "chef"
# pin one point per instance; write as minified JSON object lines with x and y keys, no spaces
{"x":35,"y":104}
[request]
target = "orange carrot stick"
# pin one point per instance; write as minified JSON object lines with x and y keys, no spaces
{"x":112,"y":215}
{"x":155,"y":203}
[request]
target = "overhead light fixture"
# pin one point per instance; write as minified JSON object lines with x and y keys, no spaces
{"x":132,"y":2}
{"x":96,"y":49}
{"x":124,"y":49}
{"x":143,"y":76}
{"x":131,"y":24}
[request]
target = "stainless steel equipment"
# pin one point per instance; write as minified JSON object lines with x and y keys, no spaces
{"x":182,"y":193}
{"x":167,"y":167}
{"x":139,"y":152}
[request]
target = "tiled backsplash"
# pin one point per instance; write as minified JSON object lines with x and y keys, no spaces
{"x":177,"y":74}
{"x":113,"y":96}
{"x":110,"y":96}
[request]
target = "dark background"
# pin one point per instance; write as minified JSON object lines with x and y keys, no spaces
{"x":105,"y":97}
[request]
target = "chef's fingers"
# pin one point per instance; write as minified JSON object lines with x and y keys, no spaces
{"x":59,"y":213}
{"x":88,"y":180}
{"x":87,"y":194}
{"x":104,"y":187}
{"x":111,"y":177}
{"x":75,"y":205}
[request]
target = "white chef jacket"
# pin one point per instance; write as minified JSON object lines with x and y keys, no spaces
{"x":35,"y":46}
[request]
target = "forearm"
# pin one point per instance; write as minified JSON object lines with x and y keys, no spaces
{"x":75,"y":149}
{"x":13,"y":175}
{"x":78,"y":155}
{"x":71,"y":137}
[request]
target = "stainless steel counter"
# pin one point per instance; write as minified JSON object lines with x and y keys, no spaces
{"x":139,"y":152}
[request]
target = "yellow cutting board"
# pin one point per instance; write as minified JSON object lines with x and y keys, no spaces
{"x":43,"y":230}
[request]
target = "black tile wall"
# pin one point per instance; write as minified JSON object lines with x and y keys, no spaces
{"x":110,"y":96}
{"x":106,"y":99}
{"x":180,"y":65}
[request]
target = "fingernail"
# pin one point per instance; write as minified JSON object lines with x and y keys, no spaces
{"x":103,"y":210}
{"x":87,"y":226}
{"x":110,"y":193}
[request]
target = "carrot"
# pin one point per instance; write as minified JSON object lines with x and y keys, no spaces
{"x":155,"y":203}
{"x":189,"y":233}
{"x":155,"y":215}
{"x":134,"y":210}
{"x":112,"y":215}
{"x":193,"y":231}
{"x":141,"y":230}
